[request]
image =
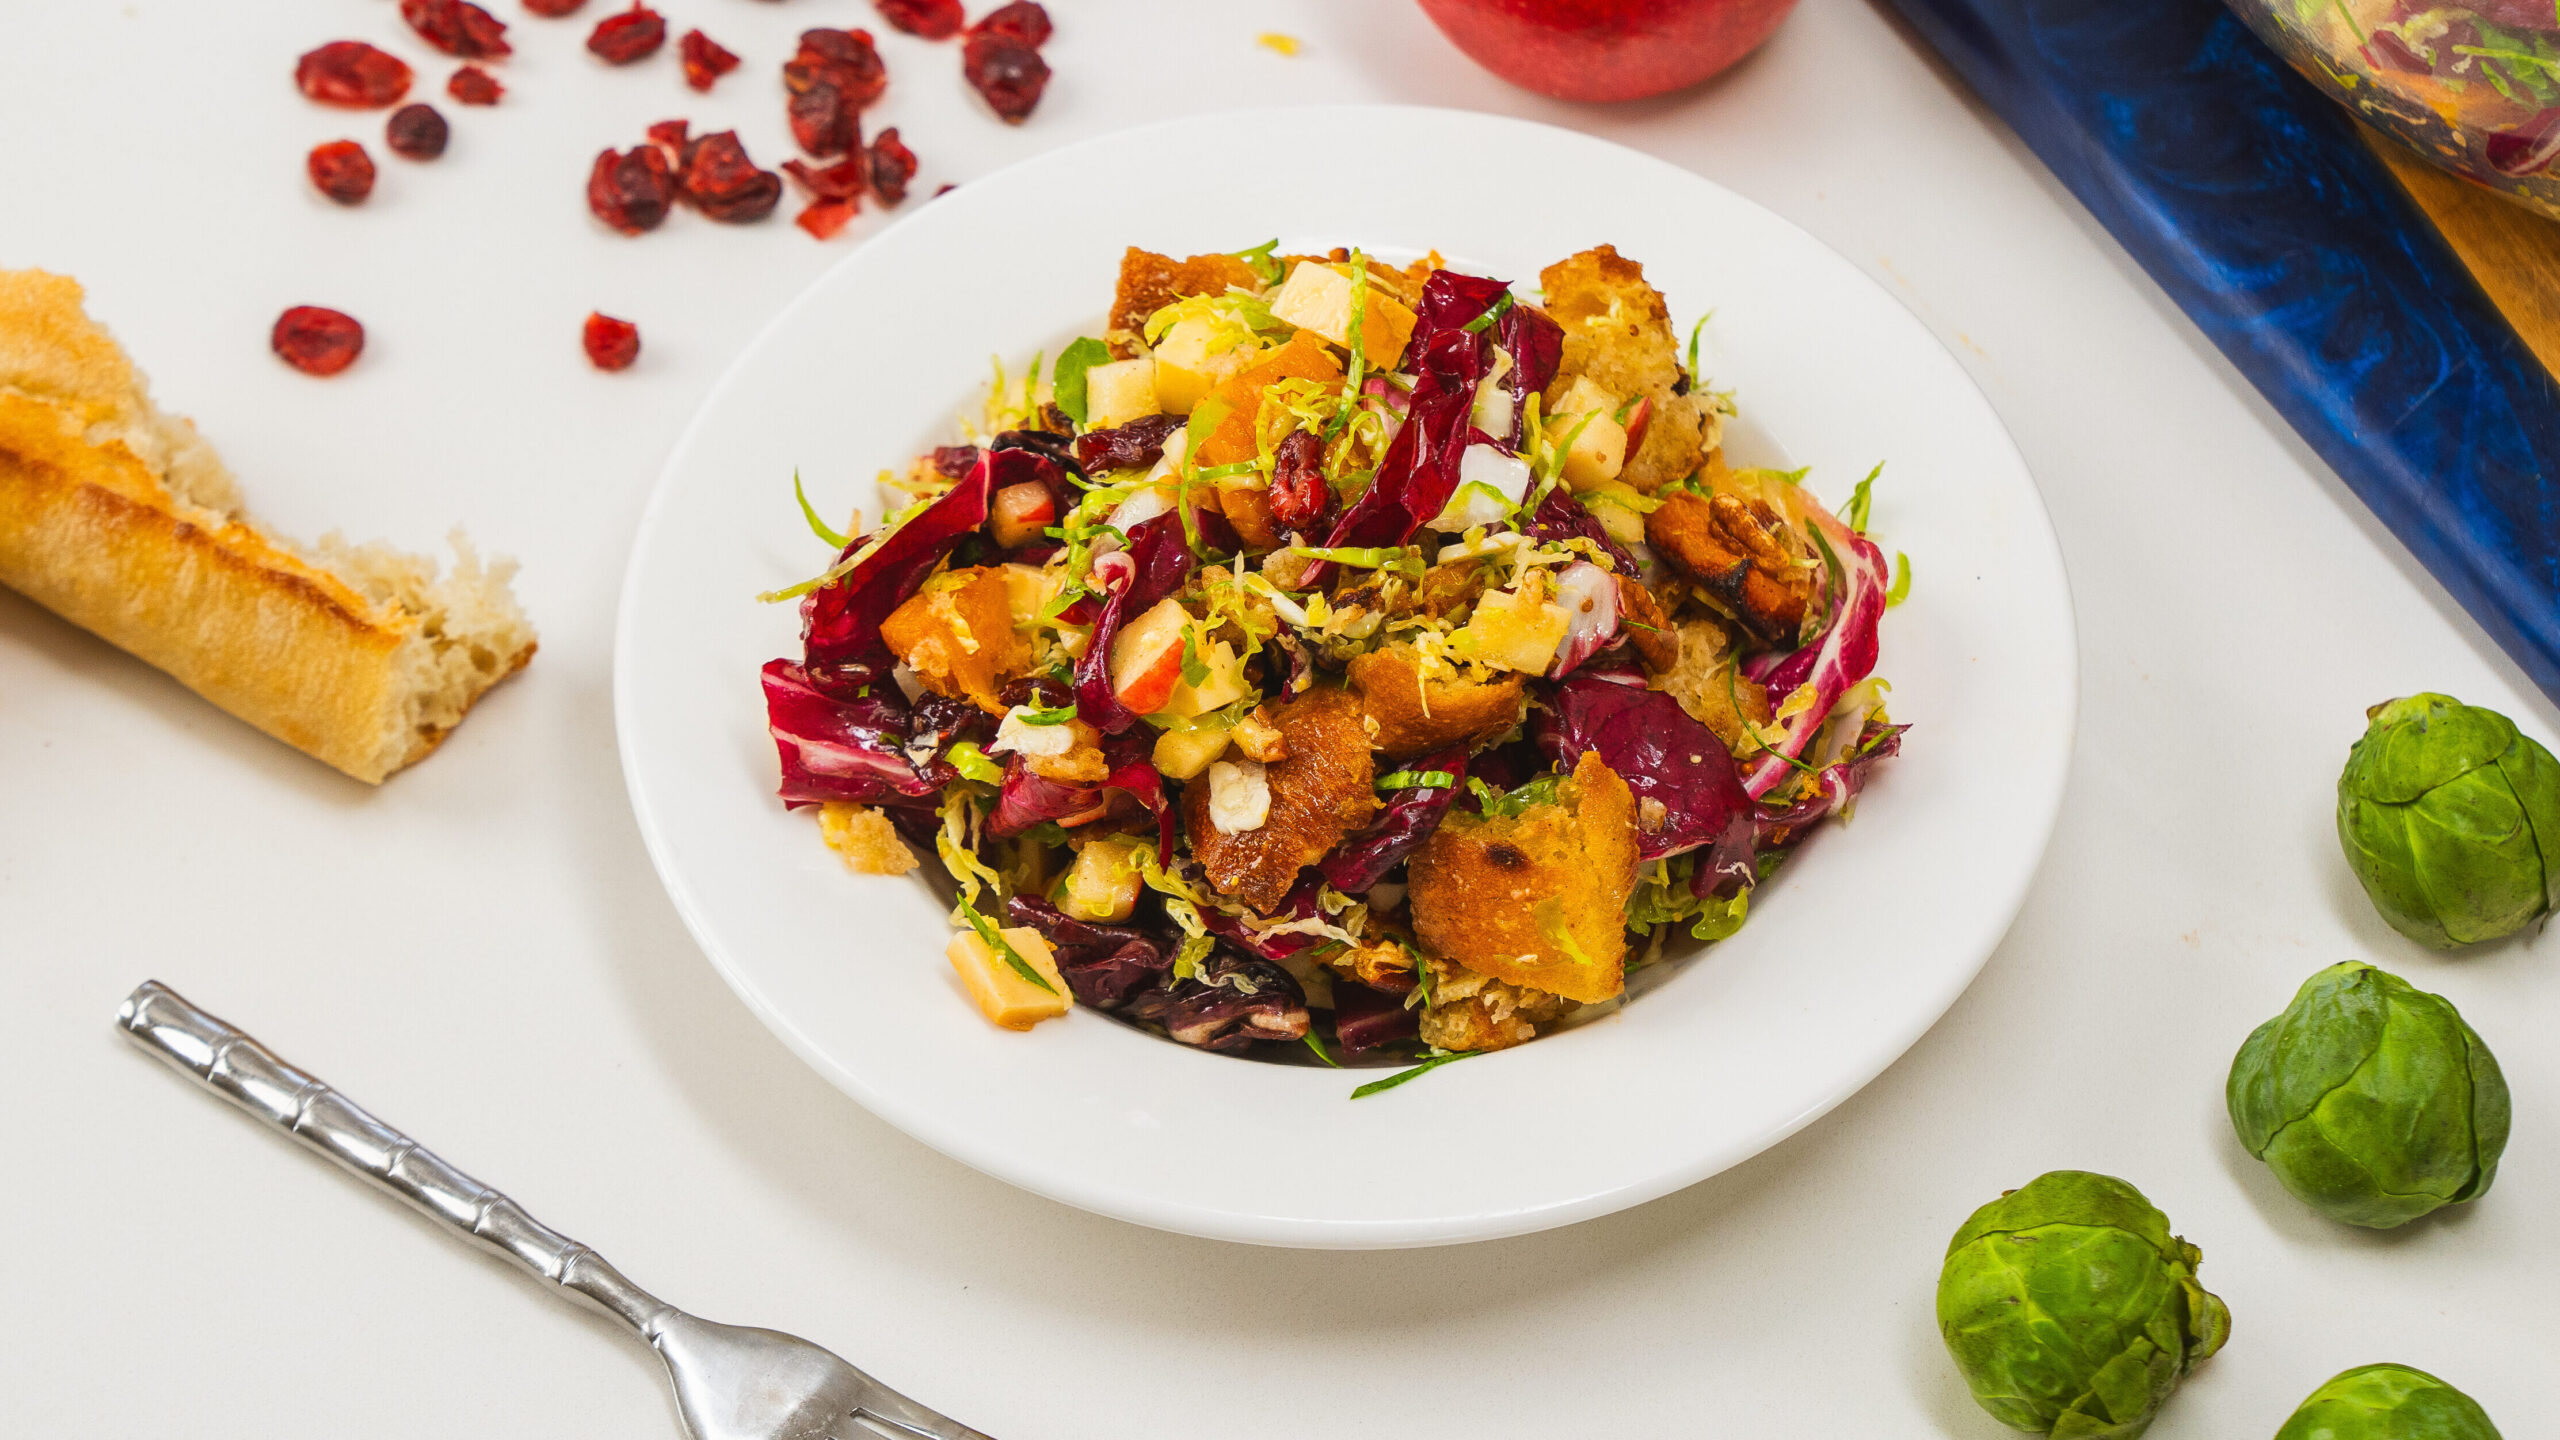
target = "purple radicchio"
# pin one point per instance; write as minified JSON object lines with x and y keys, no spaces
{"x":1406,"y":819}
{"x":840,"y":621}
{"x":1843,"y":655}
{"x":1299,"y":904}
{"x":1667,"y":758}
{"x":1232,"y":1002}
{"x":1835,"y":786}
{"x":1159,"y":561}
{"x":1027,"y":798}
{"x":1366,"y":1019}
{"x":1563,"y":516}
{"x":852,"y":748}
{"x":1105,"y":965}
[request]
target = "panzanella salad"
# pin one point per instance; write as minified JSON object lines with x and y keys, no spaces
{"x":1340,"y":655}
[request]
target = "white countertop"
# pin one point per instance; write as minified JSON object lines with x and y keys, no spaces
{"x":480,"y":953}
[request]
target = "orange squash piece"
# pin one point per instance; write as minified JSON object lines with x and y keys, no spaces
{"x":1305,"y":357}
{"x":971,"y":658}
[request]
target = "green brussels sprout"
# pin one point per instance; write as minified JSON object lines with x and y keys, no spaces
{"x":2072,"y":1310}
{"x":2388,"y":1402}
{"x":2371,"y":1100}
{"x":2446,"y":812}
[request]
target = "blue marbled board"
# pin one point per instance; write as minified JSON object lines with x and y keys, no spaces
{"x":2253,"y":201}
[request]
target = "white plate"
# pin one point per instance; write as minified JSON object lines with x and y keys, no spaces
{"x":1854,"y":951}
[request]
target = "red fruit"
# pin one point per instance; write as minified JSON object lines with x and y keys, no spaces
{"x":1606,"y":49}
{"x":849,"y":59}
{"x":316,"y":340}
{"x":631,"y":191}
{"x":457,"y":27}
{"x":472,"y":85}
{"x":1019,"y":513}
{"x":670,"y":136}
{"x":821,"y":123}
{"x":553,"y":9}
{"x":841,"y":181}
{"x":611,"y":344}
{"x":1011,"y":76}
{"x":635,"y":34}
{"x":353,"y":74}
{"x":1300,"y":498}
{"x":704,"y":59}
{"x":825,"y":219}
{"x":417,"y":132}
{"x":342,"y":170}
{"x":1022,"y":22}
{"x":892,"y":166}
{"x":724,"y":184}
{"x":932,"y":19}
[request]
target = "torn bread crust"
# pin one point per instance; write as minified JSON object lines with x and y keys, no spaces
{"x":121,"y":520}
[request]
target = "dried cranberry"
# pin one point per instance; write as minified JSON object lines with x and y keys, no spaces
{"x":1300,"y":498}
{"x":892,"y":166}
{"x":472,"y":85}
{"x":670,"y":136}
{"x":821,"y":123}
{"x":631,"y":190}
{"x":553,"y":9}
{"x":457,"y":27}
{"x":1022,"y":22}
{"x":611,"y":344}
{"x":932,"y":19}
{"x":724,"y":184}
{"x":316,"y":340}
{"x":705,"y":60}
{"x":635,"y":34}
{"x":846,"y":57}
{"x":417,"y":132}
{"x":353,"y":74}
{"x":953,"y":462}
{"x":841,"y":181}
{"x":1011,"y":76}
{"x":1133,"y":446}
{"x":826,"y":219}
{"x":342,"y":170}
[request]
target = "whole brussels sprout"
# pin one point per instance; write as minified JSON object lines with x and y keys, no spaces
{"x":2388,"y":1402}
{"x":2446,"y":812}
{"x":2072,"y":1310}
{"x":2372,"y":1101}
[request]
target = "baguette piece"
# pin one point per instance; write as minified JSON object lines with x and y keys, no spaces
{"x":122,"y":520}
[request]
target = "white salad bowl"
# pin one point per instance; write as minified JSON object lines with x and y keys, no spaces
{"x":1850,"y":954}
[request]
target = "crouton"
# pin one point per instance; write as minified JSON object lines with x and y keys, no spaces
{"x":1705,"y":683}
{"x":1319,"y":794}
{"x":1617,"y":332}
{"x":1411,"y":716}
{"x":1538,"y":899}
{"x":1231,"y":439}
{"x":1732,"y":549}
{"x":865,"y":838}
{"x":957,"y":635}
{"x":1149,"y":282}
{"x":1469,"y":1011}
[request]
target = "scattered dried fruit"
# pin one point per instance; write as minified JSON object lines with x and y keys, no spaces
{"x":724,"y":184}
{"x":821,"y":123}
{"x":825,"y":219}
{"x":841,"y":181}
{"x":353,"y":74}
{"x":856,"y":61}
{"x":342,"y":170}
{"x":457,"y":27}
{"x":832,"y":77}
{"x":1023,"y":22}
{"x":705,"y":60}
{"x":635,"y":34}
{"x":632,"y":189}
{"x":554,"y":9}
{"x":317,"y":340}
{"x":892,"y":166}
{"x":1010,"y":76}
{"x":417,"y":132}
{"x":611,"y":344}
{"x":669,"y":135}
{"x":932,"y":19}
{"x":472,"y":85}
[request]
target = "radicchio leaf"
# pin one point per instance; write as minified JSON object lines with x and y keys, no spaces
{"x":1366,"y":1019}
{"x":1159,"y":562}
{"x":1665,"y":756}
{"x":840,"y":621}
{"x":1235,"y":1001}
{"x":1298,"y":904}
{"x":1105,"y":965}
{"x":1536,"y":343}
{"x":1843,"y":655}
{"x":1026,"y":798}
{"x":1562,"y":516}
{"x":837,"y":749}
{"x":1406,"y":819}
{"x":1835,"y":786}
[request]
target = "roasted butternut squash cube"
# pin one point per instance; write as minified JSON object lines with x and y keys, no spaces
{"x":1119,"y":392}
{"x":957,"y":635}
{"x":1001,"y":992}
{"x":1304,"y":358}
{"x":1538,"y":899}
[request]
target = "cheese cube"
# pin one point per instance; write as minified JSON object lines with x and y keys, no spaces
{"x":1182,"y":754}
{"x":1002,"y":994}
{"x":1119,"y":392}
{"x":1186,"y":368}
{"x":1318,"y":297}
{"x":1586,"y":414}
{"x":1514,"y":630}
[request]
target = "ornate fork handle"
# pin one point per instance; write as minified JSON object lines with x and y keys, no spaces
{"x":249,"y":1075}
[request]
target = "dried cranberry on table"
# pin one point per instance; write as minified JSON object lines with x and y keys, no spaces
{"x":932,"y":19}
{"x":892,"y":166}
{"x":724,"y":184}
{"x":553,"y":9}
{"x":458,"y":28}
{"x":826,"y":218}
{"x":671,"y":136}
{"x":854,"y":59}
{"x":417,"y":132}
{"x":705,"y":59}
{"x":611,"y":344}
{"x":472,"y":85}
{"x":831,"y":78}
{"x":841,"y":181}
{"x":342,"y":170}
{"x":1023,"y":22}
{"x":630,"y":190}
{"x":821,"y":123}
{"x":353,"y":74}
{"x":317,"y":340}
{"x":634,"y":34}
{"x":1010,"y":76}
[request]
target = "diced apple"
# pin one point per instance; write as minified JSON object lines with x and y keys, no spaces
{"x":1002,"y":993}
{"x":1586,"y":415}
{"x":1317,"y":297}
{"x":1146,"y":657}
{"x":1119,"y":392}
{"x":1101,"y":887}
{"x":1019,"y":513}
{"x":1182,"y":753}
{"x":1624,"y":522}
{"x":1186,"y":367}
{"x":1514,"y":630}
{"x":1224,"y":685}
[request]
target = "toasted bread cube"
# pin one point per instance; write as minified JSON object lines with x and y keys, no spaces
{"x":1182,"y":754}
{"x":1317,"y":297}
{"x":1514,"y":630}
{"x":1003,"y":995}
{"x":1537,"y":899}
{"x":957,"y":635}
{"x":869,"y":844}
{"x":1410,"y":716}
{"x":1318,"y":795}
{"x":1119,"y":392}
{"x":1149,"y":282}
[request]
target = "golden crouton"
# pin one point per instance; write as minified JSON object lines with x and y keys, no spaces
{"x":1538,"y":899}
{"x":1617,"y":331}
{"x":1732,"y":550}
{"x":1705,"y":683}
{"x":957,"y":635}
{"x":1319,"y":794}
{"x":1149,"y":282}
{"x":1412,"y":716}
{"x":865,"y":838}
{"x":1469,"y":1011}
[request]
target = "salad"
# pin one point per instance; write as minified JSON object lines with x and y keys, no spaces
{"x":1338,"y":655}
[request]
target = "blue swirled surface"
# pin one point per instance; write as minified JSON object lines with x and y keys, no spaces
{"x":2254,"y":203}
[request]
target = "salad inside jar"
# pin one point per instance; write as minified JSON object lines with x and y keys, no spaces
{"x":1341,"y":660}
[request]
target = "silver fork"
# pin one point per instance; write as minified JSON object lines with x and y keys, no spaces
{"x":730,"y":1383}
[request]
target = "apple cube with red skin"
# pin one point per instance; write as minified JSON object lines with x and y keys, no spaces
{"x":1019,"y":513}
{"x":1146,"y":657}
